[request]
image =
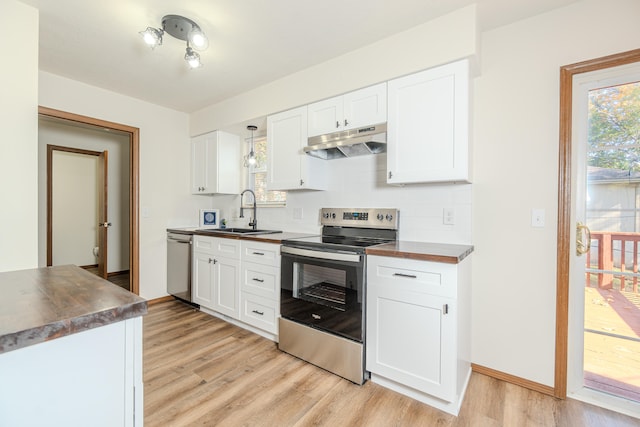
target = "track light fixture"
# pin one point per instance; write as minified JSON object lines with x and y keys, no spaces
{"x":183,"y":29}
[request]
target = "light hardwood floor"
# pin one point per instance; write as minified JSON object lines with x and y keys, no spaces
{"x":200,"y":370}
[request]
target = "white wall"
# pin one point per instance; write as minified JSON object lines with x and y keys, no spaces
{"x":453,"y":36}
{"x":361,"y":182}
{"x":18,"y":146}
{"x":516,"y":157}
{"x":117,"y":144}
{"x":165,"y":198}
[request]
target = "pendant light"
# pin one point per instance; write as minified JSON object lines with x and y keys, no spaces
{"x":250,"y":160}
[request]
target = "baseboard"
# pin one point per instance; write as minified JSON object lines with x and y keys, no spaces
{"x":512,"y":379}
{"x":117,"y":273}
{"x":160,"y":300}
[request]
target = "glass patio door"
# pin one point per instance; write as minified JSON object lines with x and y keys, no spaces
{"x":605,"y":300}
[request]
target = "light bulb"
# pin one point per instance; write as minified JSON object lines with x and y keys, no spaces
{"x":198,"y":40}
{"x":192,"y":58}
{"x":152,"y":36}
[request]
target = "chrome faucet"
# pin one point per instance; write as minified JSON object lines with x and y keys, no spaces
{"x":252,"y":223}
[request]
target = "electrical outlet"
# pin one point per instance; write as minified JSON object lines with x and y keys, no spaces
{"x":537,"y":217}
{"x":448,"y":216}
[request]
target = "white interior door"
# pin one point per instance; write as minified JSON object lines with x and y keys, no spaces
{"x":583,"y":196}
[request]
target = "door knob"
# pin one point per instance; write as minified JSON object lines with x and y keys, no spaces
{"x":104,"y":224}
{"x":582,"y":231}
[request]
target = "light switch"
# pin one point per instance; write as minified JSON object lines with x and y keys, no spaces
{"x":537,"y":217}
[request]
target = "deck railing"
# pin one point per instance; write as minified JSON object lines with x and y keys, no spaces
{"x":615,"y":261}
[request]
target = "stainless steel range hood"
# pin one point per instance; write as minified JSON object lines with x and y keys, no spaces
{"x":356,"y":142}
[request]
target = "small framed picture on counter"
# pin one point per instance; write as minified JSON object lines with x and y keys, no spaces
{"x":209,"y":218}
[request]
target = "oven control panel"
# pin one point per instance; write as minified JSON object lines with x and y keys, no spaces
{"x":360,"y":217}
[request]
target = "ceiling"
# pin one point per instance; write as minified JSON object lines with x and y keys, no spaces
{"x":251,"y":42}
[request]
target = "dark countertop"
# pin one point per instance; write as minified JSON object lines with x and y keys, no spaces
{"x":267,"y":238}
{"x":437,"y":252}
{"x":47,"y":303}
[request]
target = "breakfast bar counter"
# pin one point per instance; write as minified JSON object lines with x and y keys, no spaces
{"x":47,"y":303}
{"x":70,"y":349}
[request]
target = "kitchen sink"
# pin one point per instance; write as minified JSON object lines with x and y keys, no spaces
{"x":242,"y":231}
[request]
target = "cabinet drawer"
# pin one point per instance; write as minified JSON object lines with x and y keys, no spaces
{"x":261,"y":253}
{"x":427,"y":277}
{"x":259,"y":312}
{"x":229,"y":248}
{"x":263,"y":280}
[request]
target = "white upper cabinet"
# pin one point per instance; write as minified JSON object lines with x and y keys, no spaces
{"x":362,"y":107}
{"x":428,"y":126}
{"x":289,"y":167}
{"x":215,"y":163}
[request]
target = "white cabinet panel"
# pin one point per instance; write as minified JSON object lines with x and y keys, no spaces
{"x":226,"y":287}
{"x":260,"y":312}
{"x":428,"y":126}
{"x":289,"y":167}
{"x":418,"y":328}
{"x":215,"y":163}
{"x":202,"y":279}
{"x":362,"y":107}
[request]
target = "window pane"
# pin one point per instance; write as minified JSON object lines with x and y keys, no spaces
{"x":258,"y":177}
{"x":264,"y":196}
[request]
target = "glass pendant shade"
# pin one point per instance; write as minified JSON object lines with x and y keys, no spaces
{"x":192,"y":58}
{"x":250,"y":160}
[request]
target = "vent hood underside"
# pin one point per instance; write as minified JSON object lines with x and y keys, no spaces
{"x":355,"y":142}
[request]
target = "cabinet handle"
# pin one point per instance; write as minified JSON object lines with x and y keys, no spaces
{"x":255,"y":279}
{"x":390,"y":175}
{"x":346,"y":123}
{"x":212,"y":260}
{"x":261,"y":313}
{"x":301,"y":182}
{"x":409,"y":276}
{"x":445,"y":309}
{"x":258,"y":253}
{"x":337,"y":124}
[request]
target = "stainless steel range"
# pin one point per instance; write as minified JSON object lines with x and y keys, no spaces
{"x":323,"y":287}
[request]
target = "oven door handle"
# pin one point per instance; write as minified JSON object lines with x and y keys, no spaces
{"x":320,"y":254}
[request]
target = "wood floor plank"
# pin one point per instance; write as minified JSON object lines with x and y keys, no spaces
{"x":202,"y":371}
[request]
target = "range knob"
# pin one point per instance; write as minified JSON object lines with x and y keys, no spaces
{"x":333,"y":215}
{"x":380,"y":217}
{"x":389,"y":217}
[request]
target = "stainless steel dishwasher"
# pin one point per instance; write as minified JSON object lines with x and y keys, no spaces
{"x":179,"y":266}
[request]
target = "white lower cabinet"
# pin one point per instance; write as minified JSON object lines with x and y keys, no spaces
{"x":216,"y":274}
{"x":260,"y":285}
{"x":239,"y":279}
{"x":418,"y":328}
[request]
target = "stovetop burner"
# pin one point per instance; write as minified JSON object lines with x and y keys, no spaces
{"x":351,"y":230}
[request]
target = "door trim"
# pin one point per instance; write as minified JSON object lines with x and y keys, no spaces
{"x":564,"y":203}
{"x":134,"y":181}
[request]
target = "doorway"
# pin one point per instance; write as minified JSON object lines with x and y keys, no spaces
{"x":77,"y":202}
{"x":132,"y":168}
{"x":572,"y":294}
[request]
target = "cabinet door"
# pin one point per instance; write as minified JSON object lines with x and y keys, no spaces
{"x":428,"y":134}
{"x":366,"y":106}
{"x":226,"y":287}
{"x":227,"y":164}
{"x":326,"y":116}
{"x":202,"y":279}
{"x":289,"y":167}
{"x":411,"y":339}
{"x":215,"y":163}
{"x":199,"y":164}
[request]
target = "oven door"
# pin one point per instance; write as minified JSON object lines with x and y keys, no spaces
{"x":324,"y":290}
